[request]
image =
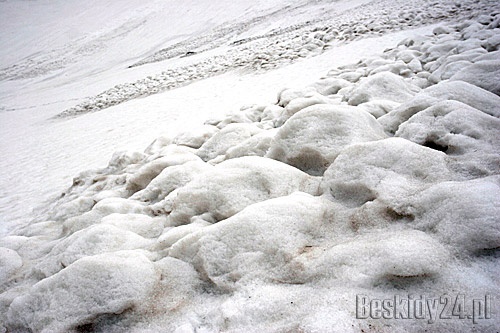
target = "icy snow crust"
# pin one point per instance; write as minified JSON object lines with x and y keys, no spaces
{"x":382,"y":179}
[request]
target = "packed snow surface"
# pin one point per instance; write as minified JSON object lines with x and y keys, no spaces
{"x":369,"y":165}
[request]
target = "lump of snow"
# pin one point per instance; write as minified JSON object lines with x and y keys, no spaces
{"x":352,"y":77}
{"x":234,"y":184}
{"x":140,"y":224}
{"x":170,"y":179}
{"x":312,"y":138}
{"x":287,"y":95}
{"x":378,"y":108}
{"x":121,"y":159}
{"x":178,"y":285}
{"x":380,"y":259}
{"x":447,"y":90}
{"x":467,"y":134}
{"x":10,"y":262}
{"x":387,"y":170}
{"x":229,"y":136}
{"x":270,"y":113}
{"x":441,"y":49}
{"x":463,"y":215}
{"x":149,"y":171}
{"x":97,"y":239}
{"x":384,"y":85}
{"x":399,"y":68}
{"x":196,"y":137}
{"x":158,"y":144}
{"x":172,"y":235}
{"x":448,"y":69}
{"x":330,"y":85}
{"x":442,"y":30}
{"x":94,"y":286}
{"x":117,"y":205}
{"x":415,"y":65}
{"x":257,"y":145}
{"x":492,"y":44}
{"x":483,"y":74}
{"x":301,"y":103}
{"x":104,"y":207}
{"x":257,"y":243}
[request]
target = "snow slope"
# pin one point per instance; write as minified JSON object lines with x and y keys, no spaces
{"x":377,"y":177}
{"x":55,"y":72}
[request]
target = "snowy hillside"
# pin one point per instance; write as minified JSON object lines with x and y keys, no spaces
{"x":315,"y":166}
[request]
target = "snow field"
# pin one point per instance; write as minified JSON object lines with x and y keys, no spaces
{"x":381,"y":178}
{"x":279,"y":47}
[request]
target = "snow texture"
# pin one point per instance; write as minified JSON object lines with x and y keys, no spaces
{"x":381,"y":178}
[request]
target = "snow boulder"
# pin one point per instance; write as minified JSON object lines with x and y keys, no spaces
{"x":234,"y":184}
{"x":196,"y":137}
{"x":312,"y":138}
{"x":286,"y":95}
{"x":387,"y":170}
{"x":10,"y":262}
{"x":170,"y":179}
{"x":297,"y":104}
{"x":97,"y":239}
{"x":330,"y":85}
{"x":231,"y":135}
{"x":460,"y":91}
{"x":469,"y":136}
{"x":257,"y":145}
{"x":259,"y":243}
{"x":379,"y":259}
{"x":140,"y":179}
{"x":122,"y":159}
{"x":483,"y":74}
{"x":102,"y":208}
{"x":378,"y":108}
{"x":463,"y":215}
{"x":102,"y":285}
{"x":143,"y":225}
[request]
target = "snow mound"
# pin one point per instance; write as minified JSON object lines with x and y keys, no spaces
{"x":231,"y":135}
{"x":96,"y":239}
{"x":383,"y":85}
{"x":481,"y":74}
{"x":469,"y":136}
{"x":234,"y":184}
{"x":10,"y":262}
{"x":257,"y":244}
{"x":386,"y":170}
{"x":93,"y":287}
{"x":447,"y":90}
{"x":312,"y":138}
{"x":463,"y":215}
{"x":380,"y":179}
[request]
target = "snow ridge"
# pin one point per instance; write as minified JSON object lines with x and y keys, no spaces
{"x":382,"y":178}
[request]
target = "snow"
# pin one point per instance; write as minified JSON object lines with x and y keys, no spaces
{"x":384,"y":85}
{"x":93,"y":285}
{"x":452,"y":127}
{"x":250,"y":167}
{"x":384,"y":170}
{"x":312,"y":138}
{"x":479,"y":73}
{"x":446,"y":90}
{"x":234,"y":184}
